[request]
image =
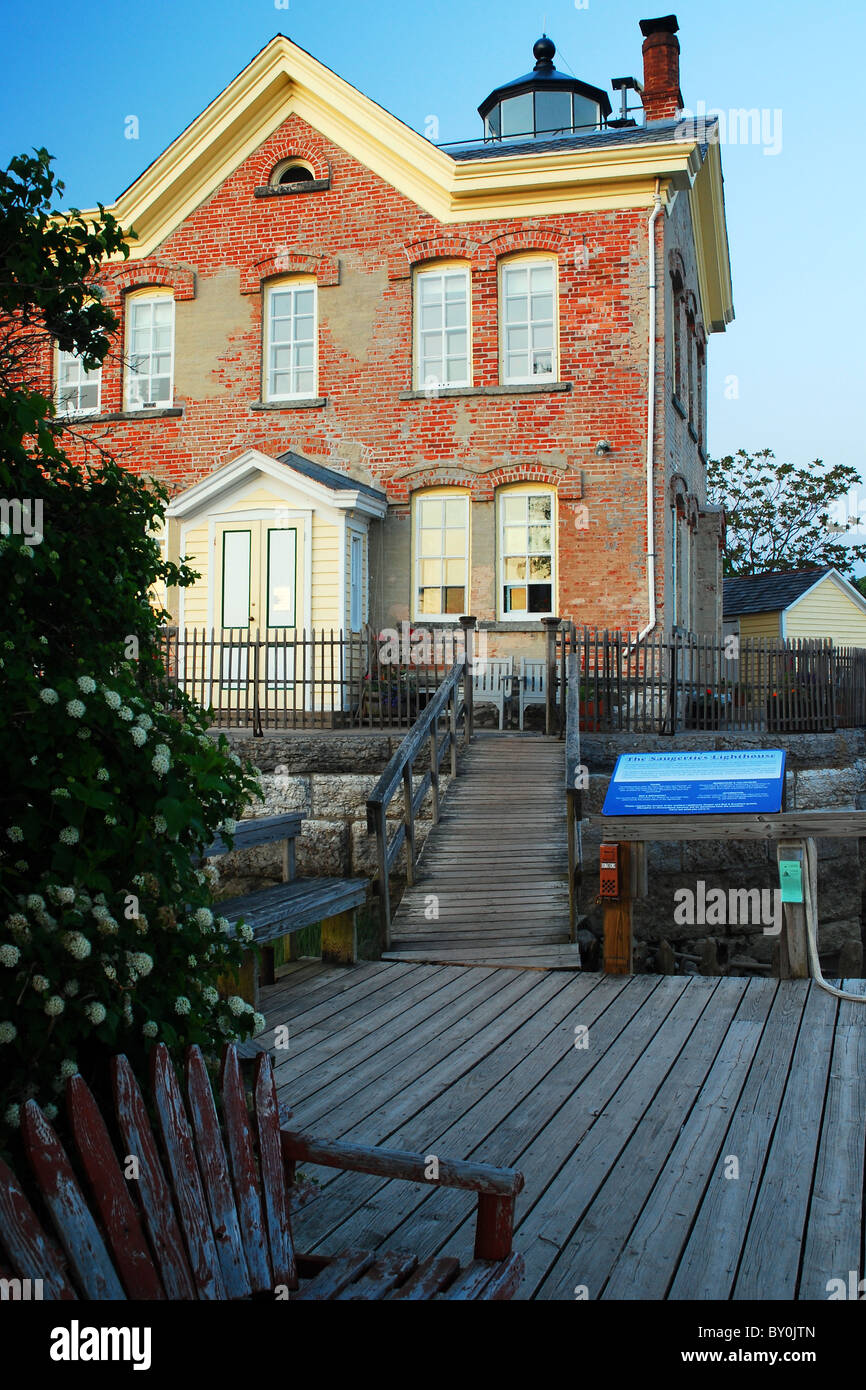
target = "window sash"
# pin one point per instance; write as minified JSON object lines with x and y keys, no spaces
{"x":292,"y":319}
{"x":442,"y":329}
{"x":527,"y":555}
{"x":78,"y":391}
{"x":441,"y":581}
{"x":528,"y":322}
{"x":356,"y":581}
{"x":150,"y":353}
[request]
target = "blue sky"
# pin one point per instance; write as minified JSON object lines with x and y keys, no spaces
{"x":70,"y":77}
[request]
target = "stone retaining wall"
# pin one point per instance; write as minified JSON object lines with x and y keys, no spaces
{"x":824,"y":771}
{"x":308,"y":773}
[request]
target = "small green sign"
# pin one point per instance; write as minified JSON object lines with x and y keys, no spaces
{"x":791,"y":880}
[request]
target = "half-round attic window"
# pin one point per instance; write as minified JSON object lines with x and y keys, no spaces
{"x":291,"y":171}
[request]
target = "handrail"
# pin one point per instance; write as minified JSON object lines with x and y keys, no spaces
{"x":399,"y":773}
{"x":574,"y":783}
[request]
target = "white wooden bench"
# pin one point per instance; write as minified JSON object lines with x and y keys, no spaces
{"x":491,"y":684}
{"x":533,"y":684}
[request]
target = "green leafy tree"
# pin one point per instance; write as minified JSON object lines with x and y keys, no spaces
{"x":109,"y":933}
{"x":781,"y":516}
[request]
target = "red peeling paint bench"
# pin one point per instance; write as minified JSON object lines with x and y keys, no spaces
{"x":212,"y":1220}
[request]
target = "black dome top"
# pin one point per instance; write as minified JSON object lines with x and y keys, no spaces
{"x":544,"y":49}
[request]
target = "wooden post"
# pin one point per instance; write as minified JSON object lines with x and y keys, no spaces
{"x":409,"y":823}
{"x":793,"y":950}
{"x":434,"y":770}
{"x":617,"y":921}
{"x":381,"y":828}
{"x":452,"y":724}
{"x":468,"y":626}
{"x":340,"y":938}
{"x":550,"y":628}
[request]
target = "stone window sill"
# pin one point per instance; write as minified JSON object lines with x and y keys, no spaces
{"x":693,"y":432}
{"x":526,"y":389}
{"x":284,"y":189}
{"x":308,"y":403}
{"x":170,"y":412}
{"x":678,"y":405}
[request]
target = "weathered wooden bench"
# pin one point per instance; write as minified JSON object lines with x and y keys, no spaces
{"x":213,"y":1221}
{"x":288,"y":907}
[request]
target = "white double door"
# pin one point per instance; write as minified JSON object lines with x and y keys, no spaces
{"x":258,"y":597}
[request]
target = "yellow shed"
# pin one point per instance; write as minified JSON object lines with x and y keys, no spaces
{"x":817,"y":603}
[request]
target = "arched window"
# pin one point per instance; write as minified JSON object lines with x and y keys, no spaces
{"x":290,"y":339}
{"x":526,"y":552}
{"x":528,"y":319}
{"x":291,"y":171}
{"x":442,"y":325}
{"x":441,"y":553}
{"x":149,"y":348}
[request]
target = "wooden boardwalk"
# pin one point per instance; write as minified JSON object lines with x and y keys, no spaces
{"x":706,"y":1143}
{"x":495,"y":868}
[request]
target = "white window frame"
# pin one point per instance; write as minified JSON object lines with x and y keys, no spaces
{"x":62,"y":359}
{"x":357,"y":592}
{"x":423,"y":379}
{"x":134,"y":301}
{"x":438,"y":495}
{"x":507,"y":265}
{"x":523,"y":615}
{"x":291,"y":285}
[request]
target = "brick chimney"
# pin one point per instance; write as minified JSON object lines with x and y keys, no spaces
{"x":662,"y":98}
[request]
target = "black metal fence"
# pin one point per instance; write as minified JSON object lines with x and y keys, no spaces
{"x":665,"y":684}
{"x":276,"y":679}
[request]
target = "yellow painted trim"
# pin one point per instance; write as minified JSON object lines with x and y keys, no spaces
{"x":283,"y":80}
{"x":274,"y":283}
{"x":424,"y":494}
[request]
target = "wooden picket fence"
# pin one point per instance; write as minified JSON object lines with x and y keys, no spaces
{"x":665,"y":684}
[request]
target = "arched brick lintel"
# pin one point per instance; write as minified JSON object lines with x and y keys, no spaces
{"x":291,"y":260}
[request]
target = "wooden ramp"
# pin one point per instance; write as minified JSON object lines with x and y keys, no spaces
{"x":495,"y":868}
{"x":680,"y":1137}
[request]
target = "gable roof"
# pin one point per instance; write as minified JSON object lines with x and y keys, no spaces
{"x":283,"y":80}
{"x":770,"y":593}
{"x":329,"y":477}
{"x":321,"y":484}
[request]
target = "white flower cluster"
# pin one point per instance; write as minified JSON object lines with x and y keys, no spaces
{"x":15,"y":833}
{"x":48,"y":696}
{"x":203,"y":918}
{"x":95,"y":1013}
{"x":125,"y":713}
{"x":140,"y":962}
{"x":144,"y":721}
{"x":68,"y":835}
{"x":245,"y":932}
{"x":54,"y":1005}
{"x":258,"y":1022}
{"x":68,"y":1067}
{"x":150,"y":1029}
{"x":112,"y":699}
{"x":102,"y":774}
{"x":138,"y":736}
{"x":210,"y":996}
{"x":8,"y":1032}
{"x":182,"y":1005}
{"x":160,"y":762}
{"x":9,"y":955}
{"x":237,"y":1006}
{"x":75,"y":708}
{"x":86,"y":684}
{"x":76,"y":944}
{"x":40,"y":983}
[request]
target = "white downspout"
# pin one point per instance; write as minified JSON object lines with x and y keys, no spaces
{"x":651,"y":419}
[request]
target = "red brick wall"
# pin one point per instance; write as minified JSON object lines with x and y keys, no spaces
{"x":375,"y":233}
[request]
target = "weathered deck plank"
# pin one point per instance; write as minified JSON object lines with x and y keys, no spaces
{"x":496,"y":885}
{"x":622,"y":1143}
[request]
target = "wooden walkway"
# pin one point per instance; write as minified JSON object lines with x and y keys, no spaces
{"x":706,"y":1143}
{"x":495,"y":868}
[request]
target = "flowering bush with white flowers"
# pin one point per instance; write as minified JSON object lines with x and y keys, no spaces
{"x":111,"y":783}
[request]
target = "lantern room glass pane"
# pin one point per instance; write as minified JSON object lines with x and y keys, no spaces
{"x":552,"y":111}
{"x":586,"y":112}
{"x":517,"y":115}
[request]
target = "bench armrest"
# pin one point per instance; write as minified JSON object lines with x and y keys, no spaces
{"x":497,"y":1188}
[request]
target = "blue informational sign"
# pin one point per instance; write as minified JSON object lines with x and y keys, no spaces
{"x":676,"y":784}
